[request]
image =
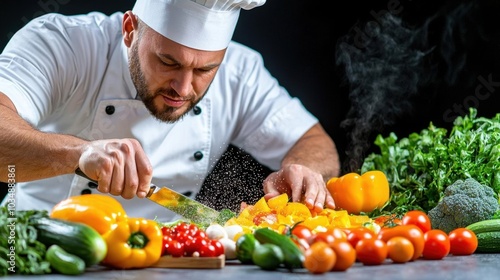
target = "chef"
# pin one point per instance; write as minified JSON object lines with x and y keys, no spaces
{"x":154,"y":94}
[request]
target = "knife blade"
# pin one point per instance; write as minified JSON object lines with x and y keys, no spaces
{"x":178,"y":203}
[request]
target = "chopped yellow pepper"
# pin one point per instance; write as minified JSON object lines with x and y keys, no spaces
{"x":134,"y":243}
{"x":98,"y":211}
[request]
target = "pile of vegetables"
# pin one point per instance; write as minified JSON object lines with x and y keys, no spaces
{"x":32,"y":243}
{"x":132,"y":242}
{"x":338,"y":249}
{"x":421,"y":166}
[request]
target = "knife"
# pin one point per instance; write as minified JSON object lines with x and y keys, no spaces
{"x":188,"y":208}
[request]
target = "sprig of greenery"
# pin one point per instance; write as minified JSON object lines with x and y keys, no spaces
{"x":422,"y":165}
{"x":29,"y":252}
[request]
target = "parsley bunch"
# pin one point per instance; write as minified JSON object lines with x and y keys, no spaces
{"x":422,"y":165}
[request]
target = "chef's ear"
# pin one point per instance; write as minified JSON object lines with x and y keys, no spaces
{"x":130,"y":27}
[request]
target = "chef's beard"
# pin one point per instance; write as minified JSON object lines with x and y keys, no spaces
{"x":164,"y":114}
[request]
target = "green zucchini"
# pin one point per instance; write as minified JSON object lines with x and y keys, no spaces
{"x":64,"y":262}
{"x":488,"y":242}
{"x":293,"y":256}
{"x":75,"y":238}
{"x":485,"y":226}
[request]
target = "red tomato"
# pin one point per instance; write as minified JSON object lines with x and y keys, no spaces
{"x":437,"y":244}
{"x":387,"y":220}
{"x":371,"y":251}
{"x":219,"y":248}
{"x":166,"y":231}
{"x":323,"y":236}
{"x":302,"y":232}
{"x":462,"y":242}
{"x":418,"y":218}
{"x":195,"y":245}
{"x":208,"y":251}
{"x":337,"y":233}
{"x":357,"y":234}
{"x":176,"y":249}
{"x":181,"y":227}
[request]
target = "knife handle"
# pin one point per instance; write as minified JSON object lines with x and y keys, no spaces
{"x":79,"y":172}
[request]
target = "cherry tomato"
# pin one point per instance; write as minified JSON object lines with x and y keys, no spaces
{"x":319,"y":258}
{"x":166,"y":231}
{"x":437,"y":245}
{"x":400,"y":249}
{"x":371,"y":251}
{"x":323,"y":236}
{"x":302,"y":232}
{"x":387,"y":220}
{"x":357,"y":234}
{"x":337,"y":233}
{"x":462,"y":242}
{"x":193,"y":229}
{"x":410,"y":232}
{"x":208,"y":251}
{"x":181,"y":227}
{"x":165,"y":244}
{"x":175,"y":249}
{"x":418,"y":218}
{"x":346,"y":255}
{"x":195,"y":245}
{"x":219,"y":248}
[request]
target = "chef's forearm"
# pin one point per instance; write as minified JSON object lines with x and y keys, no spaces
{"x":316,"y":150}
{"x":34,"y":154}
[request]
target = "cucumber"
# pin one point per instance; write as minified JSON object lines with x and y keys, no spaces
{"x":485,"y":226}
{"x":64,"y":262}
{"x":75,"y":238}
{"x":293,"y":256}
{"x":268,"y":256}
{"x":245,"y":246}
{"x":488,"y":242}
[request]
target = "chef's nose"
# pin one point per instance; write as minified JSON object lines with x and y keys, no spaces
{"x":182,"y":83}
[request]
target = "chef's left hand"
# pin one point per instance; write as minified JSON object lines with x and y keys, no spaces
{"x":301,"y":184}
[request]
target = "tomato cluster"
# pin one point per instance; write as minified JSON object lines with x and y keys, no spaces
{"x":410,"y":239}
{"x":186,"y":239}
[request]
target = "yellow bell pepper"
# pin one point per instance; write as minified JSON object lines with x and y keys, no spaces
{"x":359,"y":193}
{"x":98,"y":211}
{"x":134,"y":243}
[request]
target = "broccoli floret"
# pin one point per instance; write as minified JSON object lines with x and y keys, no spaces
{"x":463,"y":203}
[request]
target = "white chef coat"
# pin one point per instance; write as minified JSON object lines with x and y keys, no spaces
{"x":69,"y":74}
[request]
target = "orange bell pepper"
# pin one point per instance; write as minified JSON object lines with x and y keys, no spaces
{"x":98,"y":211}
{"x":359,"y":193}
{"x":134,"y":243}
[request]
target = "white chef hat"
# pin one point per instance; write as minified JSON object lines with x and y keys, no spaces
{"x":200,"y":24}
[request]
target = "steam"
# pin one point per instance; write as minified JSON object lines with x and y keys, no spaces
{"x":386,"y":63}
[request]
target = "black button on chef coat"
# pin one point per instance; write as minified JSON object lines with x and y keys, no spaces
{"x":110,"y":109}
{"x":86,"y":191}
{"x":198,"y":155}
{"x":197,"y":110}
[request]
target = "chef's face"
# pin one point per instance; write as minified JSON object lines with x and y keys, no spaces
{"x":170,"y":78}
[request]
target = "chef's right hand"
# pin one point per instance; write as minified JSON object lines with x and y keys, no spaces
{"x":120,"y":167}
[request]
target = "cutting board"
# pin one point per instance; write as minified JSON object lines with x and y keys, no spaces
{"x":190,"y":262}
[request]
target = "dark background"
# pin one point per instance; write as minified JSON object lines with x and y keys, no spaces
{"x":403,"y":65}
